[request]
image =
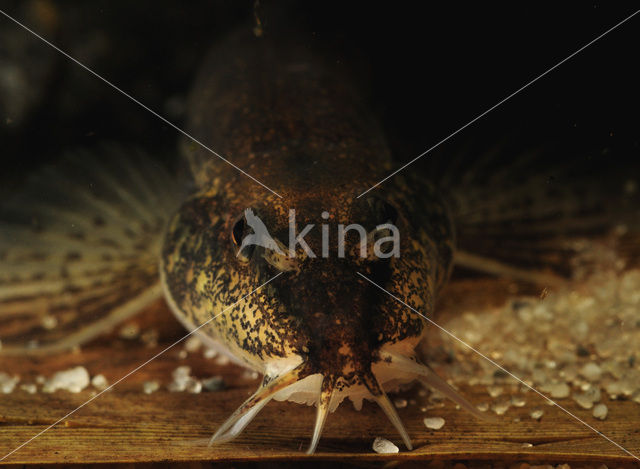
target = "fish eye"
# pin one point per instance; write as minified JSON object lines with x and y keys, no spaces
{"x":237,"y":231}
{"x":383,"y":212}
{"x":241,"y":228}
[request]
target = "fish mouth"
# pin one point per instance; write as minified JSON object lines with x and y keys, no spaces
{"x":299,"y":381}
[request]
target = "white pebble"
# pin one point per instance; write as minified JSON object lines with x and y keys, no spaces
{"x":250,"y":374}
{"x":583,"y":400}
{"x":192,"y":344}
{"x":591,"y":371}
{"x":193,"y":386}
{"x":536,"y":414}
{"x":129,"y":331}
{"x":222,"y":360}
{"x":500,"y":407}
{"x":72,"y":380}
{"x":557,"y":390}
{"x":483,"y":406}
{"x":150,"y":387}
{"x":494,"y":391}
{"x":7,"y":383}
{"x":99,"y":382}
{"x":600,"y":411}
{"x":383,"y":446}
{"x":49,"y":322}
{"x":400,"y":403}
{"x":181,"y":373}
{"x":614,"y":389}
{"x":210,"y":353}
{"x":182,"y":381}
{"x":435,"y":423}
{"x":29,"y":388}
{"x":518,"y":401}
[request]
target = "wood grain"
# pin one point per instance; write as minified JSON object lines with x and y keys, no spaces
{"x":126,"y":425}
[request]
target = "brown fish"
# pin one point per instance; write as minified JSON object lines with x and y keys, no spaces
{"x":303,"y":147}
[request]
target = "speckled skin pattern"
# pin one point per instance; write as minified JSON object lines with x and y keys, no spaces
{"x":292,"y":120}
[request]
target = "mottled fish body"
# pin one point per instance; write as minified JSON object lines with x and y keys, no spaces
{"x":91,"y":241}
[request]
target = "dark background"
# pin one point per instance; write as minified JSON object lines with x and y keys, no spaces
{"x":427,"y":70}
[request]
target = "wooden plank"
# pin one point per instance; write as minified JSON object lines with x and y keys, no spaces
{"x":126,"y":425}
